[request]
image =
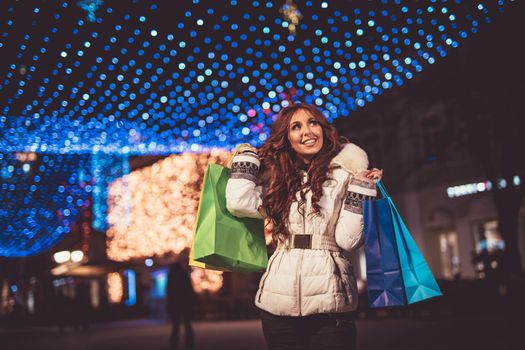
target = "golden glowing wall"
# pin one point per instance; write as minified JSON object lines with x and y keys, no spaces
{"x":152,"y":211}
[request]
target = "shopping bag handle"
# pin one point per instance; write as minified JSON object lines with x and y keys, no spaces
{"x":382,"y":188}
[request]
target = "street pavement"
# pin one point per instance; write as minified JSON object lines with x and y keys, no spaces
{"x":477,"y":333}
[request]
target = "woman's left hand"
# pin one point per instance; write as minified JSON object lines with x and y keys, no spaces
{"x":375,"y":174}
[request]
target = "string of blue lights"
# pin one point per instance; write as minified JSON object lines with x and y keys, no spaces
{"x":134,"y":77}
{"x":140,"y":81}
{"x":41,"y":199}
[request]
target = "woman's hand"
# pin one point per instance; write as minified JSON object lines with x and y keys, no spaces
{"x":375,"y":174}
{"x":246,"y":147}
{"x":370,"y":175}
{"x":240,"y":149}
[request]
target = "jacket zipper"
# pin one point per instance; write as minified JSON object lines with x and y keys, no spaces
{"x":266,"y":276}
{"x":300,"y":267}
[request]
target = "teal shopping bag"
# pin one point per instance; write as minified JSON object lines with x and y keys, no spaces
{"x":418,"y":280}
{"x":222,"y":241}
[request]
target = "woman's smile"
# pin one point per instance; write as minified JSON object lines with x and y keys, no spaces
{"x":310,"y":142}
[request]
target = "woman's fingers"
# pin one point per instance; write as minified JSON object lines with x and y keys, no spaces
{"x":375,"y":173}
{"x":364,"y":176}
{"x":246,"y":147}
{"x":370,"y":175}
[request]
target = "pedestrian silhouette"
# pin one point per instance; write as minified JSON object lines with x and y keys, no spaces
{"x":61,"y":310}
{"x":180,"y":300}
{"x":82,"y":306}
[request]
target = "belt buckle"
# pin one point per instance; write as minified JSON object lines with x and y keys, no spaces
{"x":302,"y":241}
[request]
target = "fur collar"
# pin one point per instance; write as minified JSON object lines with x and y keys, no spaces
{"x":352,"y":158}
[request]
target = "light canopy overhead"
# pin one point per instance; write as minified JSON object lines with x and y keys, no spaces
{"x":85,"y":85}
{"x":139,"y":77}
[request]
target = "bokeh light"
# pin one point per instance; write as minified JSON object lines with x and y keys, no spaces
{"x":142,"y":79}
{"x":152,"y":210}
{"x":85,"y":85}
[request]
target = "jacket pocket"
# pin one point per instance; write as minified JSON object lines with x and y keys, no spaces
{"x":265,"y":277}
{"x":339,"y":279}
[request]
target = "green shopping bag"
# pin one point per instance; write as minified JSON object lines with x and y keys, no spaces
{"x":222,"y":241}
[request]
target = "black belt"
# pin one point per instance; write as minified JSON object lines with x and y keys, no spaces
{"x":301,"y":241}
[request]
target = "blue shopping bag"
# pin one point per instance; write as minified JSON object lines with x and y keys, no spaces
{"x":384,"y":280}
{"x":418,"y":280}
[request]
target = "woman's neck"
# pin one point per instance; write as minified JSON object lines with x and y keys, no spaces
{"x":306,"y":161}
{"x":304,"y":166}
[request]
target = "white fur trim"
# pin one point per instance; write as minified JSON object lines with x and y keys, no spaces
{"x":352,"y":158}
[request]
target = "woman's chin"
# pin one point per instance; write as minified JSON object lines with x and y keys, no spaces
{"x":312,"y":151}
{"x":309,"y":154}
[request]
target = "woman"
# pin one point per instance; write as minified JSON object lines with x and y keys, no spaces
{"x":310,"y":189}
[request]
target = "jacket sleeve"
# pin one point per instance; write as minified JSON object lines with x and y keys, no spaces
{"x":243,"y":197}
{"x":349,"y":227}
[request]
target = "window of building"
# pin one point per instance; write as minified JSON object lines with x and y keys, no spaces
{"x":489,"y":245}
{"x":160,"y":282}
{"x":433,"y":137}
{"x":488,"y":238}
{"x":449,"y":248}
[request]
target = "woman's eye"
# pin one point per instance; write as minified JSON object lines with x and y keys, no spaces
{"x":314,"y":122}
{"x":295,"y":127}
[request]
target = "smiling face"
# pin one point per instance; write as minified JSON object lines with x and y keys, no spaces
{"x":305,"y":135}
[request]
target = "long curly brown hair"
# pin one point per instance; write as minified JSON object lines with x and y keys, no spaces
{"x":281,"y":177}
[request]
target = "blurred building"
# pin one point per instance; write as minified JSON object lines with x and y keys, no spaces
{"x":445,"y":199}
{"x":449,"y":142}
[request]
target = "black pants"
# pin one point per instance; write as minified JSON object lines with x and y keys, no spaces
{"x":316,"y":332}
{"x":176,"y":319}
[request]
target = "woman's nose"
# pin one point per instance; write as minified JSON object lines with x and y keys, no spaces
{"x":307,"y":130}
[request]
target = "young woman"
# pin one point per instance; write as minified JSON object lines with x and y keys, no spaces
{"x":309,"y":188}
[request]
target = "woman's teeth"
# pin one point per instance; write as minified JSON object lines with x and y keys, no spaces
{"x":310,"y":142}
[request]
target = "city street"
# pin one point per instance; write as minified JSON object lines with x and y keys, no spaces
{"x":400,"y":334}
{"x":209,"y":159}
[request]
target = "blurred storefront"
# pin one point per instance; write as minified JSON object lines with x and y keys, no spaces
{"x":438,"y":185}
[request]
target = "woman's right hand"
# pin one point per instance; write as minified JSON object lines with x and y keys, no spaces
{"x":243,"y":147}
{"x":246,"y":147}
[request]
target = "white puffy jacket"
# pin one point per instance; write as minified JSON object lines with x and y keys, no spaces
{"x":318,"y":279}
